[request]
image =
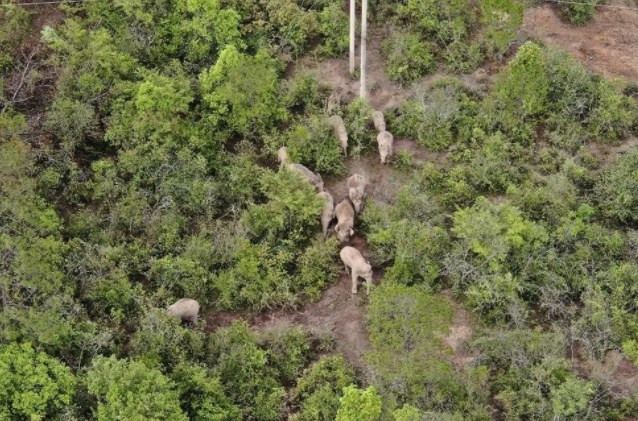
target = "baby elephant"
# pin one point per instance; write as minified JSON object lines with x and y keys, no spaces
{"x":357,"y":265}
{"x":185,"y":310}
{"x":356,"y":191}
{"x":282,"y":157}
{"x":314,"y":179}
{"x":379,"y":121}
{"x":340,"y":132}
{"x":328,"y":212}
{"x":345,"y":220}
{"x":385,"y":141}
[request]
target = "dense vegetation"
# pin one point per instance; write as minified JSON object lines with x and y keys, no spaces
{"x":137,"y":166}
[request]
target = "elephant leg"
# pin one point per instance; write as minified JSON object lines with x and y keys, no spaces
{"x":354,"y":283}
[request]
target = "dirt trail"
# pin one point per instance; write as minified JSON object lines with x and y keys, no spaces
{"x":608,"y":44}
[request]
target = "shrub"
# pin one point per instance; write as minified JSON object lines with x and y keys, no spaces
{"x":333,"y":26}
{"x":288,"y":352}
{"x":408,"y":57}
{"x":617,"y":190}
{"x":304,"y":95}
{"x":579,"y":12}
{"x":502,"y":19}
{"x":202,"y":396}
{"x":242,"y":93}
{"x":161,"y":342}
{"x":408,"y":357}
{"x":129,"y":390}
{"x":357,"y":121}
{"x":359,"y":405}
{"x":318,"y":391}
{"x":497,"y":299}
{"x":313,"y":144}
{"x":33,"y":385}
{"x":523,"y":86}
{"x":242,"y":367}
{"x":436,"y":117}
{"x":495,"y":233}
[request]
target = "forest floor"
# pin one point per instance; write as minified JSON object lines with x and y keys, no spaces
{"x":608,"y":44}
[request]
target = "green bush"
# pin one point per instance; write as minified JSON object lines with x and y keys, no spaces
{"x":333,"y":26}
{"x":436,"y":117}
{"x":522,"y":88}
{"x":408,"y":357}
{"x":242,"y":93}
{"x":312,"y":143}
{"x":617,"y":190}
{"x":502,"y":20}
{"x":579,"y":12}
{"x":304,"y":95}
{"x":202,"y":396}
{"x":129,"y":390}
{"x":318,"y":391}
{"x":243,"y":368}
{"x":359,"y":405}
{"x":357,"y":121}
{"x":161,"y":342}
{"x":288,"y":352}
{"x":408,"y":57}
{"x":33,"y":385}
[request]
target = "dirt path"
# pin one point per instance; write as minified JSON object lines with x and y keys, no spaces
{"x":608,"y":44}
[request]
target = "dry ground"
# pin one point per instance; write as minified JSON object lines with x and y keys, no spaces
{"x":608,"y":44}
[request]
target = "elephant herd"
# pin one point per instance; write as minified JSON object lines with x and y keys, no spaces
{"x":187,"y":309}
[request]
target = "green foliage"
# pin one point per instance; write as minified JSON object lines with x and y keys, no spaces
{"x":14,"y":25}
{"x":523,"y":87}
{"x":437,"y":116}
{"x":502,"y":20}
{"x":304,"y":95}
{"x":242,"y":93}
{"x":408,"y":357}
{"x":130,"y":390}
{"x":288,"y":352}
{"x":617,"y":189}
{"x":359,"y":405}
{"x":33,"y":385}
{"x":407,"y":413}
{"x":161,"y":342}
{"x":202,"y":396}
{"x":408,"y":57}
{"x":333,"y":26}
{"x":246,"y":377}
{"x":319,"y":389}
{"x":357,"y":121}
{"x":579,"y":12}
{"x":312,"y":143}
{"x":192,"y":31}
{"x":495,"y":233}
{"x":534,"y":379}
{"x":449,"y":23}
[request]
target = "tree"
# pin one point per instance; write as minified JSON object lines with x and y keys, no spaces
{"x":242,"y":93}
{"x":130,"y":390}
{"x":523,"y":87}
{"x":359,"y":405}
{"x":33,"y":385}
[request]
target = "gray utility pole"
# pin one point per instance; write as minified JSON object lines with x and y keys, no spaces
{"x":353,"y":23}
{"x":364,"y":42}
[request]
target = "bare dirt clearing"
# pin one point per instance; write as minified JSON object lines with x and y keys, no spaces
{"x":608,"y":44}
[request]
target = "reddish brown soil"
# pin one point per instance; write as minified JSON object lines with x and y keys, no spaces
{"x":608,"y":44}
